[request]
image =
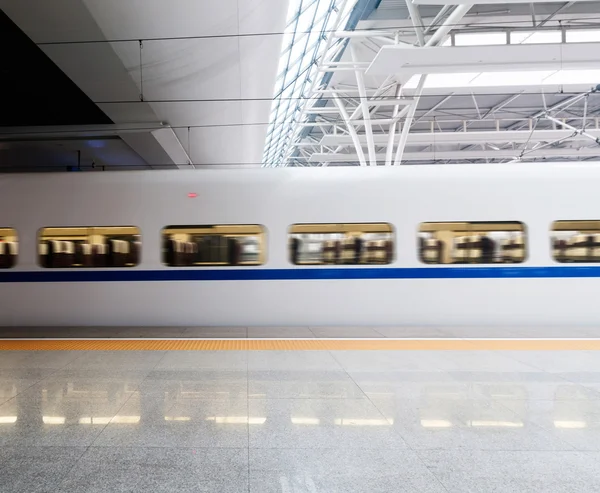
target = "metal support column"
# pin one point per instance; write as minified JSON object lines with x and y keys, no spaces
{"x":362,"y":92}
{"x":351,"y":130}
{"x":455,"y":17}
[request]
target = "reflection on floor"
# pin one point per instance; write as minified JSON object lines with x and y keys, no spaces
{"x":300,"y":421}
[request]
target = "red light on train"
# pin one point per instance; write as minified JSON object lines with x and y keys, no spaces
{"x":192,"y":195}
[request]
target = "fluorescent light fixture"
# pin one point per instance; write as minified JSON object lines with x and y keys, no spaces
{"x":363,"y":422}
{"x":306,"y":421}
{"x":521,"y":37}
{"x":104,"y":420}
{"x":478,"y":39}
{"x":177,"y":418}
{"x":436,"y":423}
{"x":444,"y":80}
{"x":237,"y":420}
{"x":496,"y":424}
{"x":570,"y":425}
{"x":94,"y":420}
{"x":574,"y":77}
{"x":535,"y":37}
{"x":489,"y":79}
{"x":499,"y":79}
{"x":526,"y":57}
{"x":7,"y":420}
{"x":128,"y":420}
{"x":54,"y":420}
{"x":583,"y":36}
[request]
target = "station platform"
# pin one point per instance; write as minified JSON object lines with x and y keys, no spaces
{"x":310,"y":410}
{"x":360,"y":332}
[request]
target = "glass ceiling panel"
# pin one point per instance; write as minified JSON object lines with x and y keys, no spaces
{"x":309,"y":26}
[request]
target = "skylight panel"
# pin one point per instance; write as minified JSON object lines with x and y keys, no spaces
{"x":308,"y":28}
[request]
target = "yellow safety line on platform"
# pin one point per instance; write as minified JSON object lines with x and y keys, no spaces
{"x":301,"y":345}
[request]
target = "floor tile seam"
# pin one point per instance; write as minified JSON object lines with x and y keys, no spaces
{"x":547,"y":432}
{"x":164,"y":447}
{"x":478,"y":395}
{"x":520,"y":360}
{"x":37,"y":447}
{"x":570,"y":450}
{"x":587,"y":386}
{"x":515,"y":414}
{"x":512,"y":358}
{"x":575,"y":447}
{"x":344,"y":447}
{"x":333,"y":373}
{"x":588,"y":452}
{"x":498,"y":451}
{"x":429,"y":469}
{"x":247,"y":353}
{"x":394,"y":430}
{"x":539,"y":428}
{"x":580,"y":384}
{"x":308,"y":398}
{"x":137,"y":389}
{"x":525,"y":400}
{"x":338,"y":363}
{"x":52,"y":372}
{"x":374,"y":329}
{"x":57,"y":486}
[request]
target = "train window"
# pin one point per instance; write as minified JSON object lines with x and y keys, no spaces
{"x":472,"y":242}
{"x":576,"y":241}
{"x":9,"y":248}
{"x":213,"y":245}
{"x":89,"y":246}
{"x":359,"y":243}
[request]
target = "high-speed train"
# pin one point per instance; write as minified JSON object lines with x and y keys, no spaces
{"x":408,"y":245}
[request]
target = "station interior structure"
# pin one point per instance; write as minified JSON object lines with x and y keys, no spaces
{"x":92,"y":86}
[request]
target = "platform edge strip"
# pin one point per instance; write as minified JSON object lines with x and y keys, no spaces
{"x":300,"y":345}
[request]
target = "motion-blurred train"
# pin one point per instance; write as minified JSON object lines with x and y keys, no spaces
{"x":408,"y":245}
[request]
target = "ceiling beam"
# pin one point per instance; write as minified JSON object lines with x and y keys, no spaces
{"x":16,"y":134}
{"x":172,"y":145}
{"x":585,"y":152}
{"x":486,"y":2}
{"x":434,"y":138}
{"x":408,"y":61}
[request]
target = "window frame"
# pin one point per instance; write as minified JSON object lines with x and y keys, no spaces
{"x":344,"y":228}
{"x":11,"y":232}
{"x":523,"y":231}
{"x":552,"y":230}
{"x":261,"y":234}
{"x":41,"y":230}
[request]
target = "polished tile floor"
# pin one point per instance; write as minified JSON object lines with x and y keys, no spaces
{"x":300,"y":421}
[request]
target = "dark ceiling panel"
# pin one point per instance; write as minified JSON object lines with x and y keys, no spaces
{"x":33,"y":90}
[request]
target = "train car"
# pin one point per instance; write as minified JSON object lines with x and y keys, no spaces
{"x":409,"y":245}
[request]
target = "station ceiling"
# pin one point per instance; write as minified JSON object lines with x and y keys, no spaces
{"x":149,"y":84}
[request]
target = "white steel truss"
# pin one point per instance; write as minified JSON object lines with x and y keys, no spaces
{"x":356,"y":113}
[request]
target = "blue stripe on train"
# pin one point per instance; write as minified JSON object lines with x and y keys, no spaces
{"x":299,"y":274}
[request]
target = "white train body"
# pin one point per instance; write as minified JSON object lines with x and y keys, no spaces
{"x":536,"y":292}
